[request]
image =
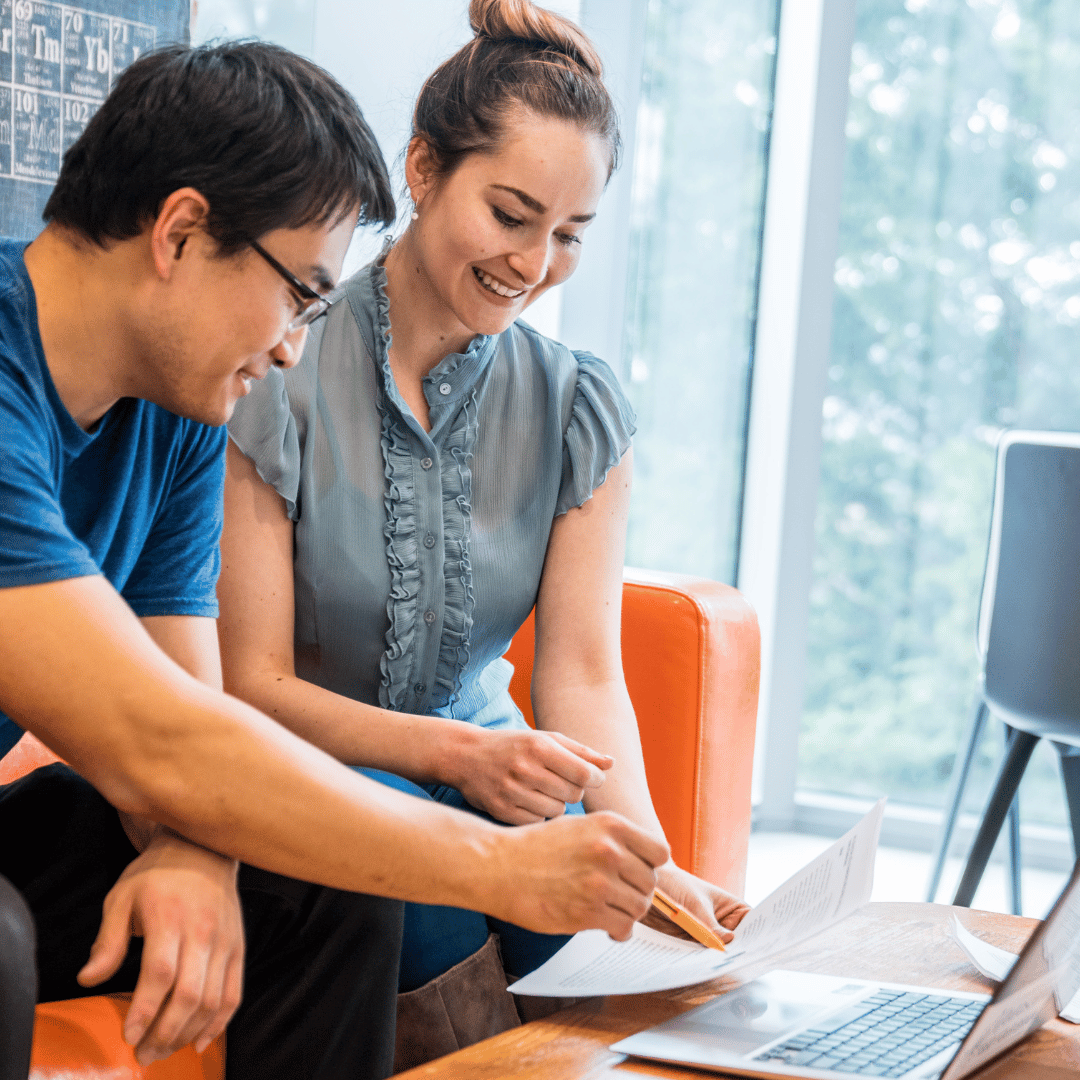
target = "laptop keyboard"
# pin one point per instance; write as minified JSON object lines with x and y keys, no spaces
{"x":885,"y":1035}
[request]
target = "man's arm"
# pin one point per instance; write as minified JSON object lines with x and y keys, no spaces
{"x":181,"y":899}
{"x":79,"y":671}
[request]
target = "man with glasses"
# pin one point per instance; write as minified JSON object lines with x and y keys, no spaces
{"x":191,"y":237}
{"x":309,"y":304}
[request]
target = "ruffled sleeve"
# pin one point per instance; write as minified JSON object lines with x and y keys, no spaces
{"x":601,"y":426}
{"x":264,"y":428}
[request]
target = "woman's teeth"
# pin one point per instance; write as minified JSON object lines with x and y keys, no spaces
{"x":494,"y":286}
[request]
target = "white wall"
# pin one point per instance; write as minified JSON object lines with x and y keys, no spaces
{"x":382,"y":52}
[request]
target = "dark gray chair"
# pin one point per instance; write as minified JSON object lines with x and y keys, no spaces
{"x":1029,"y":641}
{"x":18,"y":983}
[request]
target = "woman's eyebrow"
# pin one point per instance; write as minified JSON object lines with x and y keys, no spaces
{"x":535,"y":205}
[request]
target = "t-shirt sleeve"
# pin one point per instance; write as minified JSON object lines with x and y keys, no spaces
{"x":36,"y":544}
{"x":177,"y":570}
{"x":599,"y":433}
{"x":264,"y":429}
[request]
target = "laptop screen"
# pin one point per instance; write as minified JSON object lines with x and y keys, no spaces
{"x":1042,"y":982}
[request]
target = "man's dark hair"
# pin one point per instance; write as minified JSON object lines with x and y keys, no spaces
{"x":270,"y":139}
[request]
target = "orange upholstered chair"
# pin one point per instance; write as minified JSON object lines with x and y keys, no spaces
{"x":82,"y":1038}
{"x":691,"y":656}
{"x":691,"y":653}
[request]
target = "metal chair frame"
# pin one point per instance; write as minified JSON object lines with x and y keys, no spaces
{"x":1026,"y":718}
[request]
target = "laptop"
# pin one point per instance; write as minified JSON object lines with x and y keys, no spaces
{"x":789,"y":1023}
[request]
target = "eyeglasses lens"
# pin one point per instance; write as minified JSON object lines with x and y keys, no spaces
{"x":309,"y":313}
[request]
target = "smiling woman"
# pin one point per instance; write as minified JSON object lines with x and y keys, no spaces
{"x":433,"y":470}
{"x":489,"y":238}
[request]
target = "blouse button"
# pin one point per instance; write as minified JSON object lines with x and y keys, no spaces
{"x":426,"y":463}
{"x":429,"y":541}
{"x":445,"y":388}
{"x":419,"y":688}
{"x":429,"y":617}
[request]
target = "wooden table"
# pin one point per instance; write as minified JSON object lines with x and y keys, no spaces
{"x":905,"y":943}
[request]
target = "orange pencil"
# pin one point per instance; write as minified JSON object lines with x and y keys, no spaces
{"x":681,"y":918}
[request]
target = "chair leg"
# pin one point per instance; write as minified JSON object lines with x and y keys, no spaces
{"x":958,"y":782}
{"x":1069,"y":756}
{"x":1015,"y":860}
{"x":1017,"y":755}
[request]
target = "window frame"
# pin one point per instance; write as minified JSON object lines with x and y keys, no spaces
{"x":792,"y":338}
{"x":791,"y":358}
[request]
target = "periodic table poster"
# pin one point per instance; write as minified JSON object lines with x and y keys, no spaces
{"x":57,"y":64}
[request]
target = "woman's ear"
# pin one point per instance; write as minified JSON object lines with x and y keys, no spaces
{"x":419,"y":169}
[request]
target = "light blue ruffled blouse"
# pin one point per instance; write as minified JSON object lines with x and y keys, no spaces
{"x":418,"y":554}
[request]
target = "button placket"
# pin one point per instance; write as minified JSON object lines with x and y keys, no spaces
{"x":429,"y":481}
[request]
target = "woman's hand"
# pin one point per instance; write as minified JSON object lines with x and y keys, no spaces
{"x":718,"y":910}
{"x":521,"y":777}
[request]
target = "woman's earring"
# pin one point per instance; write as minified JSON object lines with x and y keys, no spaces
{"x":416,"y":215}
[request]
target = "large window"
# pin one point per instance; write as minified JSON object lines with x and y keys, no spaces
{"x":957,"y":314}
{"x":698,"y":186}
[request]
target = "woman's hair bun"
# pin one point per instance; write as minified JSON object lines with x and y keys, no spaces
{"x":521,"y":57}
{"x":522,"y":20}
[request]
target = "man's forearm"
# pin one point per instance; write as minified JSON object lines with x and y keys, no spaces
{"x":267,"y":797}
{"x":81,"y":673}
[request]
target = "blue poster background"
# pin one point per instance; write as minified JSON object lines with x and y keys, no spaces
{"x":58,"y":62}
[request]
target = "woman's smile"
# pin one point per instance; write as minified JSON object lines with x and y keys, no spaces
{"x":494,"y":285}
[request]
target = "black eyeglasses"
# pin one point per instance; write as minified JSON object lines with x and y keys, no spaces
{"x":310,"y":305}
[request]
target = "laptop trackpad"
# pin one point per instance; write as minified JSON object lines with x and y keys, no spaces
{"x":742,"y":1020}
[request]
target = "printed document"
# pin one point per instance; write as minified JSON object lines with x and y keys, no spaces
{"x":996,"y":963}
{"x":829,"y":889}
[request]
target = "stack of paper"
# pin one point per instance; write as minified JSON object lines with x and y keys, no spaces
{"x":827,"y":890}
{"x":996,"y":963}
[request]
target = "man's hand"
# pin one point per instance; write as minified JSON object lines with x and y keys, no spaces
{"x":522,"y":777}
{"x":182,"y":900}
{"x":577,"y":873}
{"x":718,"y":910}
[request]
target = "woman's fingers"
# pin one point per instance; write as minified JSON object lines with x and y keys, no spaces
{"x":709,"y":904}
{"x":521,"y":777}
{"x":587,"y":753}
{"x":561,"y":758}
{"x":534,"y":806}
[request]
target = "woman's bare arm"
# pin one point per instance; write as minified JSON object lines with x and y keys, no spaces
{"x":578,"y":684}
{"x":517,"y":776}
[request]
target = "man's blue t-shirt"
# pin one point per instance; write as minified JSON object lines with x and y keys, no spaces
{"x":138,"y":500}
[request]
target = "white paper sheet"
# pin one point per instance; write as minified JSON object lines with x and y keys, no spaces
{"x":991,"y":961}
{"x":996,"y":963}
{"x":835,"y":884}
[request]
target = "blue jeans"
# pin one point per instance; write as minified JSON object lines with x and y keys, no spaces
{"x":436,"y":938}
